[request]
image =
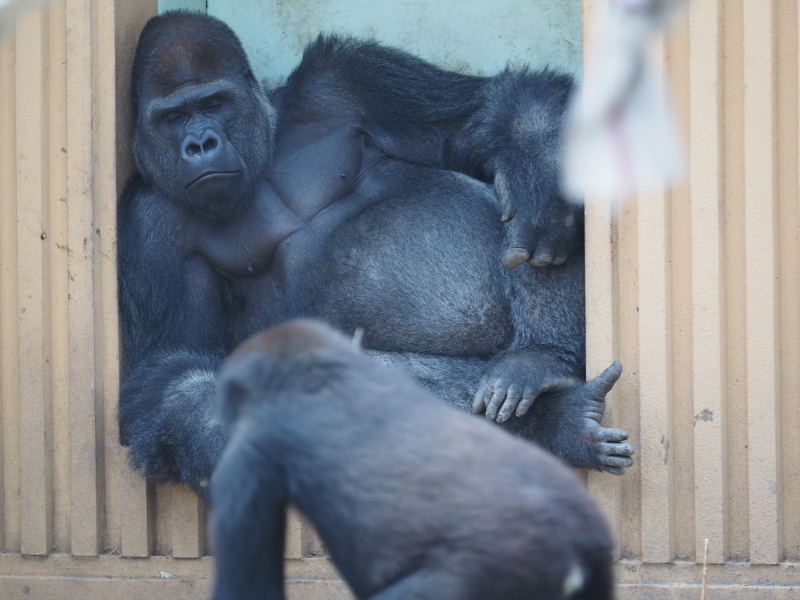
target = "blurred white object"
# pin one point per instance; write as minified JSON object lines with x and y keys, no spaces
{"x":10,"y":9}
{"x":620,"y":134}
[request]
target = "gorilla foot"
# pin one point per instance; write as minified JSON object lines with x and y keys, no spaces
{"x":612,"y":452}
{"x":515,"y":379}
{"x":567,"y":423}
{"x":608,"y":446}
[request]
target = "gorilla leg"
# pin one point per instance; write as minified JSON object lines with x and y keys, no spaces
{"x":166,"y":417}
{"x":248,"y":526}
{"x":566,"y":422}
{"x":426,"y":584}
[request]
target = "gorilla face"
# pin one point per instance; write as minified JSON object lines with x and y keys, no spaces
{"x":204,"y":128}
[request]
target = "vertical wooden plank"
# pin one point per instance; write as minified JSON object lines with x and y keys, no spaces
{"x":135,"y":513}
{"x":294,"y":535}
{"x":9,"y":390}
{"x":655,"y":414}
{"x":31,"y":135}
{"x":57,"y":273}
{"x":136,"y":525}
{"x":710,"y":444}
{"x":188,"y":524}
{"x":679,"y":298}
{"x":738,"y":518}
{"x":761,"y":295}
{"x":83,"y":416}
{"x":600,"y":298}
{"x":789,"y":88}
{"x":105,"y":262}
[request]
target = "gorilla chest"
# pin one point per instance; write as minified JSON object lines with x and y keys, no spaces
{"x":315,"y":165}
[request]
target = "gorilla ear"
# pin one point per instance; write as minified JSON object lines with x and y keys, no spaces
{"x":234,"y":388}
{"x":235,"y":392}
{"x":357,"y":337}
{"x":232,"y":393}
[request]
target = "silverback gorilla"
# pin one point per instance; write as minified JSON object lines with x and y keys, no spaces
{"x":511,"y":524}
{"x":369,"y":191}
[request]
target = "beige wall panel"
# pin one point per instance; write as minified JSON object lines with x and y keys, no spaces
{"x":188,"y":523}
{"x":9,"y":383}
{"x":626,"y":267}
{"x":57,"y":258}
{"x":600,"y":305}
{"x":707,"y":285}
{"x":789,"y":211}
{"x":130,"y":508}
{"x":738,"y":517}
{"x":679,"y":292}
{"x":761,"y":296}
{"x":32,"y":194}
{"x":86,"y":487}
{"x":137,"y":537}
{"x":655,"y":418}
{"x":106,"y":62}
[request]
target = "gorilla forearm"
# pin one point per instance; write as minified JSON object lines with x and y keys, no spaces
{"x":514,"y":140}
{"x":504,"y":130}
{"x":167,"y":418}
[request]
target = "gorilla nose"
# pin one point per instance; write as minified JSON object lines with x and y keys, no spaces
{"x":201,"y":148}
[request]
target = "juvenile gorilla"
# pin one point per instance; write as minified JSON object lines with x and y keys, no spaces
{"x":368,"y":191}
{"x":408,"y":509}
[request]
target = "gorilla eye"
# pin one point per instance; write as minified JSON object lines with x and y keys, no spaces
{"x":212,"y":104}
{"x":172,"y":117}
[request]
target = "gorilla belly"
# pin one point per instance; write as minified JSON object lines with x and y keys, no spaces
{"x":419,"y":270}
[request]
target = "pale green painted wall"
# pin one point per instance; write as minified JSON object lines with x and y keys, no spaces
{"x":475,"y":36}
{"x":196,"y":5}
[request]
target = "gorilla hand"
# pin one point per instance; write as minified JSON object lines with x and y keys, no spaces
{"x":544,"y":239}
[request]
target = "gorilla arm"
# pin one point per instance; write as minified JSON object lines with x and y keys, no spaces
{"x":172,"y":330}
{"x":504,"y":129}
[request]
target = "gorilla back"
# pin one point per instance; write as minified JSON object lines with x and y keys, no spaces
{"x":407,"y":509}
{"x":367,"y":191}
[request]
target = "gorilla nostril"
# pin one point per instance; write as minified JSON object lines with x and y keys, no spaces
{"x":193,"y":149}
{"x":209,"y":144}
{"x":201,"y":147}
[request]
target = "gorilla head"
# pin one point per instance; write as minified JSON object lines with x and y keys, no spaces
{"x":204,"y":126}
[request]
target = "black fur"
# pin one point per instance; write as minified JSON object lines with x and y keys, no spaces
{"x":368,"y":191}
{"x":407,"y":508}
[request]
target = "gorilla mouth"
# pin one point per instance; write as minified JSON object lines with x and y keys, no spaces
{"x":208,"y":174}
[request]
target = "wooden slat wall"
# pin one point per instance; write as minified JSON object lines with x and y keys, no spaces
{"x":695,"y":289}
{"x":705,"y":311}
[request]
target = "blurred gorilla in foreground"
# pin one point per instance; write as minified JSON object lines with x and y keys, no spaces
{"x":370,"y":191}
{"x":408,"y":509}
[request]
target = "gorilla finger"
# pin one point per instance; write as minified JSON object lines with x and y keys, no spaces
{"x":519,"y":241}
{"x":541,"y":258}
{"x":488,"y":394}
{"x":612,"y":434}
{"x":479,"y":400}
{"x":494,"y":404}
{"x":616,"y":460}
{"x":613,"y":470}
{"x":603,"y":383}
{"x":621,"y":451}
{"x":512,"y":399}
{"x":560,"y":259}
{"x":514,"y":257}
{"x":527,"y":401}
